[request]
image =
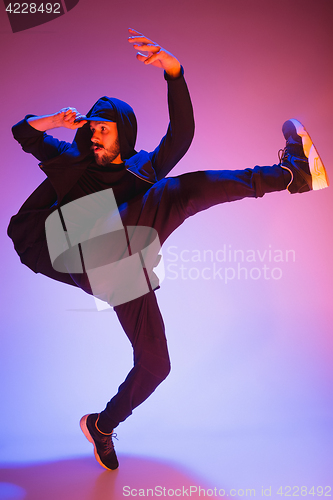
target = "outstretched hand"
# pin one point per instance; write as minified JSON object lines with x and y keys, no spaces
{"x":157,"y":56}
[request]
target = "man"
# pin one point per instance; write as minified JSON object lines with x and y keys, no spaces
{"x":102,"y":157}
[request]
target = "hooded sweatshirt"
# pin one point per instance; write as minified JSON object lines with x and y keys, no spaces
{"x":72,"y":172}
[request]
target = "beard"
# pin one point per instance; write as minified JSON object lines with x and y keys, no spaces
{"x":109,"y":154}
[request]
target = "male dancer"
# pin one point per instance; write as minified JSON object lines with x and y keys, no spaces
{"x":101,"y":157}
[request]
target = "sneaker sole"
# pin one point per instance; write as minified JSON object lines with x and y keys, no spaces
{"x":317,"y":170}
{"x":85,"y":430}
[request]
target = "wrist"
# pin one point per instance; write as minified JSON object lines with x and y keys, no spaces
{"x":174,"y":72}
{"x":178,"y":74}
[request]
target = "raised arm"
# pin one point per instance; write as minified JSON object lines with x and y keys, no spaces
{"x":31,"y":132}
{"x":180,"y":132}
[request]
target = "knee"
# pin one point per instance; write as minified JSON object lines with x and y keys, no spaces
{"x":160,"y":369}
{"x":164,"y":369}
{"x":156,"y":365}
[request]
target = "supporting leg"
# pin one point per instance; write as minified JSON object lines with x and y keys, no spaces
{"x":143,"y":324}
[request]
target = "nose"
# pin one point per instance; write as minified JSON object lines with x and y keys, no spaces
{"x":95,"y":137}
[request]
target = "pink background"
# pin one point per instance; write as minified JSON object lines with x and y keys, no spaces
{"x":248,"y":402}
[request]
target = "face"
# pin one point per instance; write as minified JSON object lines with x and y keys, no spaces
{"x":105,"y":142}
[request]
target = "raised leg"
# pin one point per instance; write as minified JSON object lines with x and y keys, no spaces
{"x":171,"y":201}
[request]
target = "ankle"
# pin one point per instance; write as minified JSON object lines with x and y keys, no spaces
{"x":287,"y":177}
{"x":102,"y":431}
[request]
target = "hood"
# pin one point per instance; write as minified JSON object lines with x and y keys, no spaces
{"x":126,"y":125}
{"x":65,"y":169}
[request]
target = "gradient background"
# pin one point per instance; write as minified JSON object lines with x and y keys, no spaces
{"x":249,"y":400}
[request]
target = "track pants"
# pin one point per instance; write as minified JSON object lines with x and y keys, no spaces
{"x":164,"y":207}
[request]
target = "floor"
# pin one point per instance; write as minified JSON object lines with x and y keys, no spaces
{"x":267,"y":462}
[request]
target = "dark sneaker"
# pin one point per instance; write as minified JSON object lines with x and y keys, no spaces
{"x":103,"y":446}
{"x":301,"y":159}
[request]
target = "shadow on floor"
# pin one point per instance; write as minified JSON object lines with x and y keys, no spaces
{"x":84,"y":479}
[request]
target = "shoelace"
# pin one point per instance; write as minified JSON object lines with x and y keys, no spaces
{"x":282,"y":153}
{"x":107,"y":442}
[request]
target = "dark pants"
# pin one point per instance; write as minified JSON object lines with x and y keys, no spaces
{"x":164,"y":207}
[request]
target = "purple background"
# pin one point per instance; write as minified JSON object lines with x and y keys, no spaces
{"x":248,"y":402}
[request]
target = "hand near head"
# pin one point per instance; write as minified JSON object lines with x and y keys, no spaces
{"x":70,"y":118}
{"x":157,"y":56}
{"x":66,"y":117}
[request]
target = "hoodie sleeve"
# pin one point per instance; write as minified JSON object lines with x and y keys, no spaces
{"x":40,"y":144}
{"x":180,"y":131}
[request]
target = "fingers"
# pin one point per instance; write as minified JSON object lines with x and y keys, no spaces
{"x":147,"y":47}
{"x":68,"y":114}
{"x":140,"y":40}
{"x":80,"y":123}
{"x":134,"y":35}
{"x":154,"y":57}
{"x":141,"y":57}
{"x":150,"y":59}
{"x":155,"y":54}
{"x":131,"y":30}
{"x":71,"y":118}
